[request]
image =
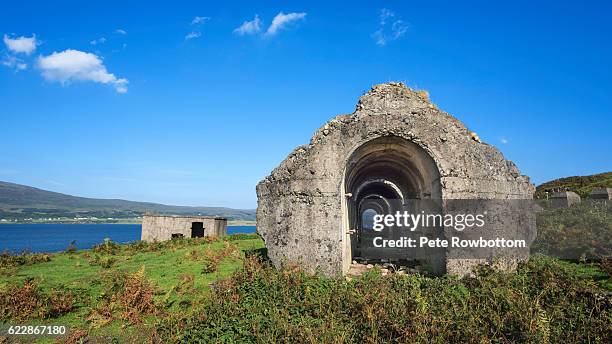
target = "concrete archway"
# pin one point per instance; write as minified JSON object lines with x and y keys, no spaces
{"x":389,"y":174}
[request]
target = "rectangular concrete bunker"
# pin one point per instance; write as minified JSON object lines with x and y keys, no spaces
{"x":165,"y":227}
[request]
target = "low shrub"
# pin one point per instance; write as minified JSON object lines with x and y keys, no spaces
{"x":193,"y":255}
{"x":241,"y":236}
{"x":28,"y":301}
{"x":606,"y":266}
{"x":137,"y":246}
{"x":103,"y":261}
{"x":75,"y":336}
{"x":25,"y":258}
{"x":582,"y":231}
{"x":129,"y":297}
{"x":185,"y":285}
{"x":107,"y":247}
{"x":156,"y":246}
{"x":212,"y":258}
{"x":210,"y":261}
{"x":72,"y":248}
{"x":546,"y":301}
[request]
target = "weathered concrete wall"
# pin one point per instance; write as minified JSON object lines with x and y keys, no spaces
{"x":161,"y":227}
{"x":601,"y":193}
{"x":302,"y":208}
{"x":564,"y":199}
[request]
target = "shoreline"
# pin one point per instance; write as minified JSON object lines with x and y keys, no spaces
{"x":229,"y":223}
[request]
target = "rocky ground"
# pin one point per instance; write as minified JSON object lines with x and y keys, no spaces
{"x":401,"y":268}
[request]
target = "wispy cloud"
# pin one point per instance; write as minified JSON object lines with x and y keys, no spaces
{"x":384,"y":15}
{"x":281,"y":20}
{"x":100,"y":40}
{"x":390,"y":27}
{"x":249,"y":27}
{"x":199,"y":20}
{"x":74,"y":65}
{"x":398,"y":29}
{"x":193,"y":35}
{"x":21,"y":45}
{"x":503,"y":140}
{"x":13,"y":62}
{"x":121,"y":32}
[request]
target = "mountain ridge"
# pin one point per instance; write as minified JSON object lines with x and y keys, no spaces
{"x":18,"y":202}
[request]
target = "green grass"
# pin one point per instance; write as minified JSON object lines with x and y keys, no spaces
{"x":165,"y":265}
{"x":545,"y":301}
{"x":248,"y":301}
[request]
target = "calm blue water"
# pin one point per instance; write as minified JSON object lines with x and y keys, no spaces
{"x":56,"y":237}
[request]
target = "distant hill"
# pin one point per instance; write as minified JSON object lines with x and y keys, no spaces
{"x":582,"y":185}
{"x":19,"y":202}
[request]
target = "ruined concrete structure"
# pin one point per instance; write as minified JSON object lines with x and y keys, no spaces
{"x":165,"y":227}
{"x":601,"y":193}
{"x":564,"y":199}
{"x":396,"y":145}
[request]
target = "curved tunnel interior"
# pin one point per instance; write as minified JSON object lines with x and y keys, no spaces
{"x":384,"y":176}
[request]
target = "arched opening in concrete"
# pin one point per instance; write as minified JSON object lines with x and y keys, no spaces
{"x":385,"y":176}
{"x":367,"y":218}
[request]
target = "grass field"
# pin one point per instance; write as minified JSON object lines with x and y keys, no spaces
{"x":209,"y":290}
{"x":89,"y":275}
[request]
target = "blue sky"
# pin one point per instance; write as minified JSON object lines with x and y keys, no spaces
{"x":173,"y":103}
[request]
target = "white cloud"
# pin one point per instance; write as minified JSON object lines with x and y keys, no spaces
{"x":389,"y":32}
{"x":503,"y":140}
{"x":384,"y":15}
{"x":14,"y":62}
{"x":249,"y":27}
{"x":192,"y":35}
{"x":199,"y":20}
{"x":25,"y":45}
{"x":100,"y":40}
{"x":398,"y":29}
{"x":121,"y":32}
{"x":74,"y":65}
{"x":379,"y":37}
{"x":281,"y":20}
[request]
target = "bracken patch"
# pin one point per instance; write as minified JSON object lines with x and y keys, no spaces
{"x":28,"y":301}
{"x":546,"y":301}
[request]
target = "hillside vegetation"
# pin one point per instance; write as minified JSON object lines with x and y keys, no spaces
{"x":582,"y":231}
{"x":220,"y":291}
{"x":18,"y":202}
{"x":582,"y":185}
{"x":116,"y":291}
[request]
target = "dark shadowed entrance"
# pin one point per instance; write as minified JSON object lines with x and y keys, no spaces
{"x":384,"y":176}
{"x":197,"y":229}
